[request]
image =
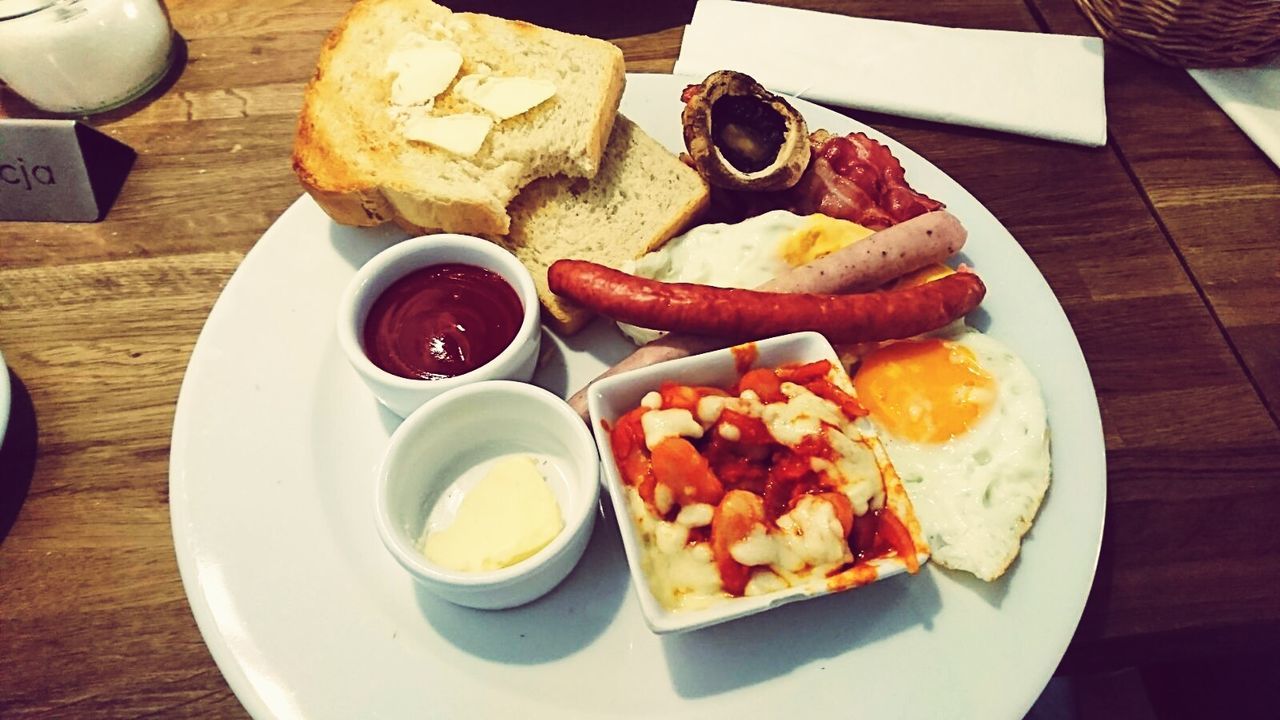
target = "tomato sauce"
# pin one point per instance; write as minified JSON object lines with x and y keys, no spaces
{"x":744,"y":357}
{"x":738,"y":466}
{"x":442,"y":321}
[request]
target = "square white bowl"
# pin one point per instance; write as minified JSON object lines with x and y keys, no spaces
{"x":610,"y":398}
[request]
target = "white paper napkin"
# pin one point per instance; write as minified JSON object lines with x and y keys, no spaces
{"x":1047,"y":86}
{"x":1251,"y":98}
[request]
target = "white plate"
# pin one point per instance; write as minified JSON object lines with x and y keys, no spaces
{"x":276,"y":441}
{"x":6,"y":399}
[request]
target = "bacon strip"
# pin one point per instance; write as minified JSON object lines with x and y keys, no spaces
{"x":856,"y":178}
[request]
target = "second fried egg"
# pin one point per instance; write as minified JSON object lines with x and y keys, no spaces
{"x":964,"y":423}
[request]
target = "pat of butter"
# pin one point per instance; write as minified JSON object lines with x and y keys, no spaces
{"x":505,"y":97}
{"x":461,"y":134}
{"x":422,"y":69}
{"x":506,"y":517}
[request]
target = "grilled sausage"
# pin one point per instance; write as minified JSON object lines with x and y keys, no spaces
{"x":733,"y":313}
{"x":865,"y":265}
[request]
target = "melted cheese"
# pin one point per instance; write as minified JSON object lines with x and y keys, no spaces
{"x":859,"y":473}
{"x":681,"y":576}
{"x":809,"y":536}
{"x":763,"y":582}
{"x":801,"y":416}
{"x":696,"y":515}
{"x":709,"y":409}
{"x":658,"y":425}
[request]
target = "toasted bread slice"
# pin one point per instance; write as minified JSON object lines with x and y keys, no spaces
{"x":642,"y":196}
{"x":352,"y":156}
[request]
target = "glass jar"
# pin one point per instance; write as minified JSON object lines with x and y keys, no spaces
{"x":77,"y":57}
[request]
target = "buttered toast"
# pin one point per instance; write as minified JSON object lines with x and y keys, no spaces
{"x":642,"y":197}
{"x":353,"y":151}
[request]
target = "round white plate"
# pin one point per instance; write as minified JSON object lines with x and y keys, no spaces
{"x":275,"y":443}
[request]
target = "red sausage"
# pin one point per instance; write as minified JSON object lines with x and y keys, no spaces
{"x":862,"y":266}
{"x":727,"y":312}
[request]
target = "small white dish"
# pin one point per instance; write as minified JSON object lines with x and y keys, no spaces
{"x":461,"y":430}
{"x":404,"y":395}
{"x":609,"y":398}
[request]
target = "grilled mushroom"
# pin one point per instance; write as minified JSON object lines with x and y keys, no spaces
{"x":741,"y":136}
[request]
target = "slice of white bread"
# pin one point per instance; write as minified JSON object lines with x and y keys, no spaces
{"x":350,"y":152}
{"x":642,"y":196}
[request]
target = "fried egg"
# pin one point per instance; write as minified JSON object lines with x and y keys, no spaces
{"x":742,"y":255}
{"x":964,"y":423}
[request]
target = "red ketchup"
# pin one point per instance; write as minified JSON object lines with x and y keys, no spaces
{"x":442,"y":321}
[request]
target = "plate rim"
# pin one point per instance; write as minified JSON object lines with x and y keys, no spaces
{"x":6,"y":399}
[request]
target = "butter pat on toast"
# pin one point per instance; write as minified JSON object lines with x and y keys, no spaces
{"x":371,"y":151}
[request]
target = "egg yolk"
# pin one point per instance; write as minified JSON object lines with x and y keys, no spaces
{"x":928,"y":273}
{"x":819,"y":235}
{"x":925,"y":390}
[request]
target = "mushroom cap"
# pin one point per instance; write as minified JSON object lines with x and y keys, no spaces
{"x":706,"y":119}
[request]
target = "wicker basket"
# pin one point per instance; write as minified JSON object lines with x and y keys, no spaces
{"x":1191,"y":33}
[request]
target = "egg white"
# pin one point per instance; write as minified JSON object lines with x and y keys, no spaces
{"x":738,"y":255}
{"x":976,"y":494}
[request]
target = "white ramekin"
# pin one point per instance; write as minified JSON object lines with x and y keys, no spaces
{"x":461,"y":429}
{"x":403,"y":395}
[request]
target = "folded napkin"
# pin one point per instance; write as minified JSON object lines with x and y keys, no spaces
{"x":1047,"y":86}
{"x":1251,"y":98}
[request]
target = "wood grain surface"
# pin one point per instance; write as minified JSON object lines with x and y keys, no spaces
{"x":1161,"y":246}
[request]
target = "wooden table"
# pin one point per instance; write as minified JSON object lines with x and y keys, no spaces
{"x":1162,"y":247}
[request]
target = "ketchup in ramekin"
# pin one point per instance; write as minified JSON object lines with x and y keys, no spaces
{"x":442,"y":321}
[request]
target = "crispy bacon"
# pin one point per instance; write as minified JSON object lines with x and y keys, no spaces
{"x":852,"y":178}
{"x":856,"y":178}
